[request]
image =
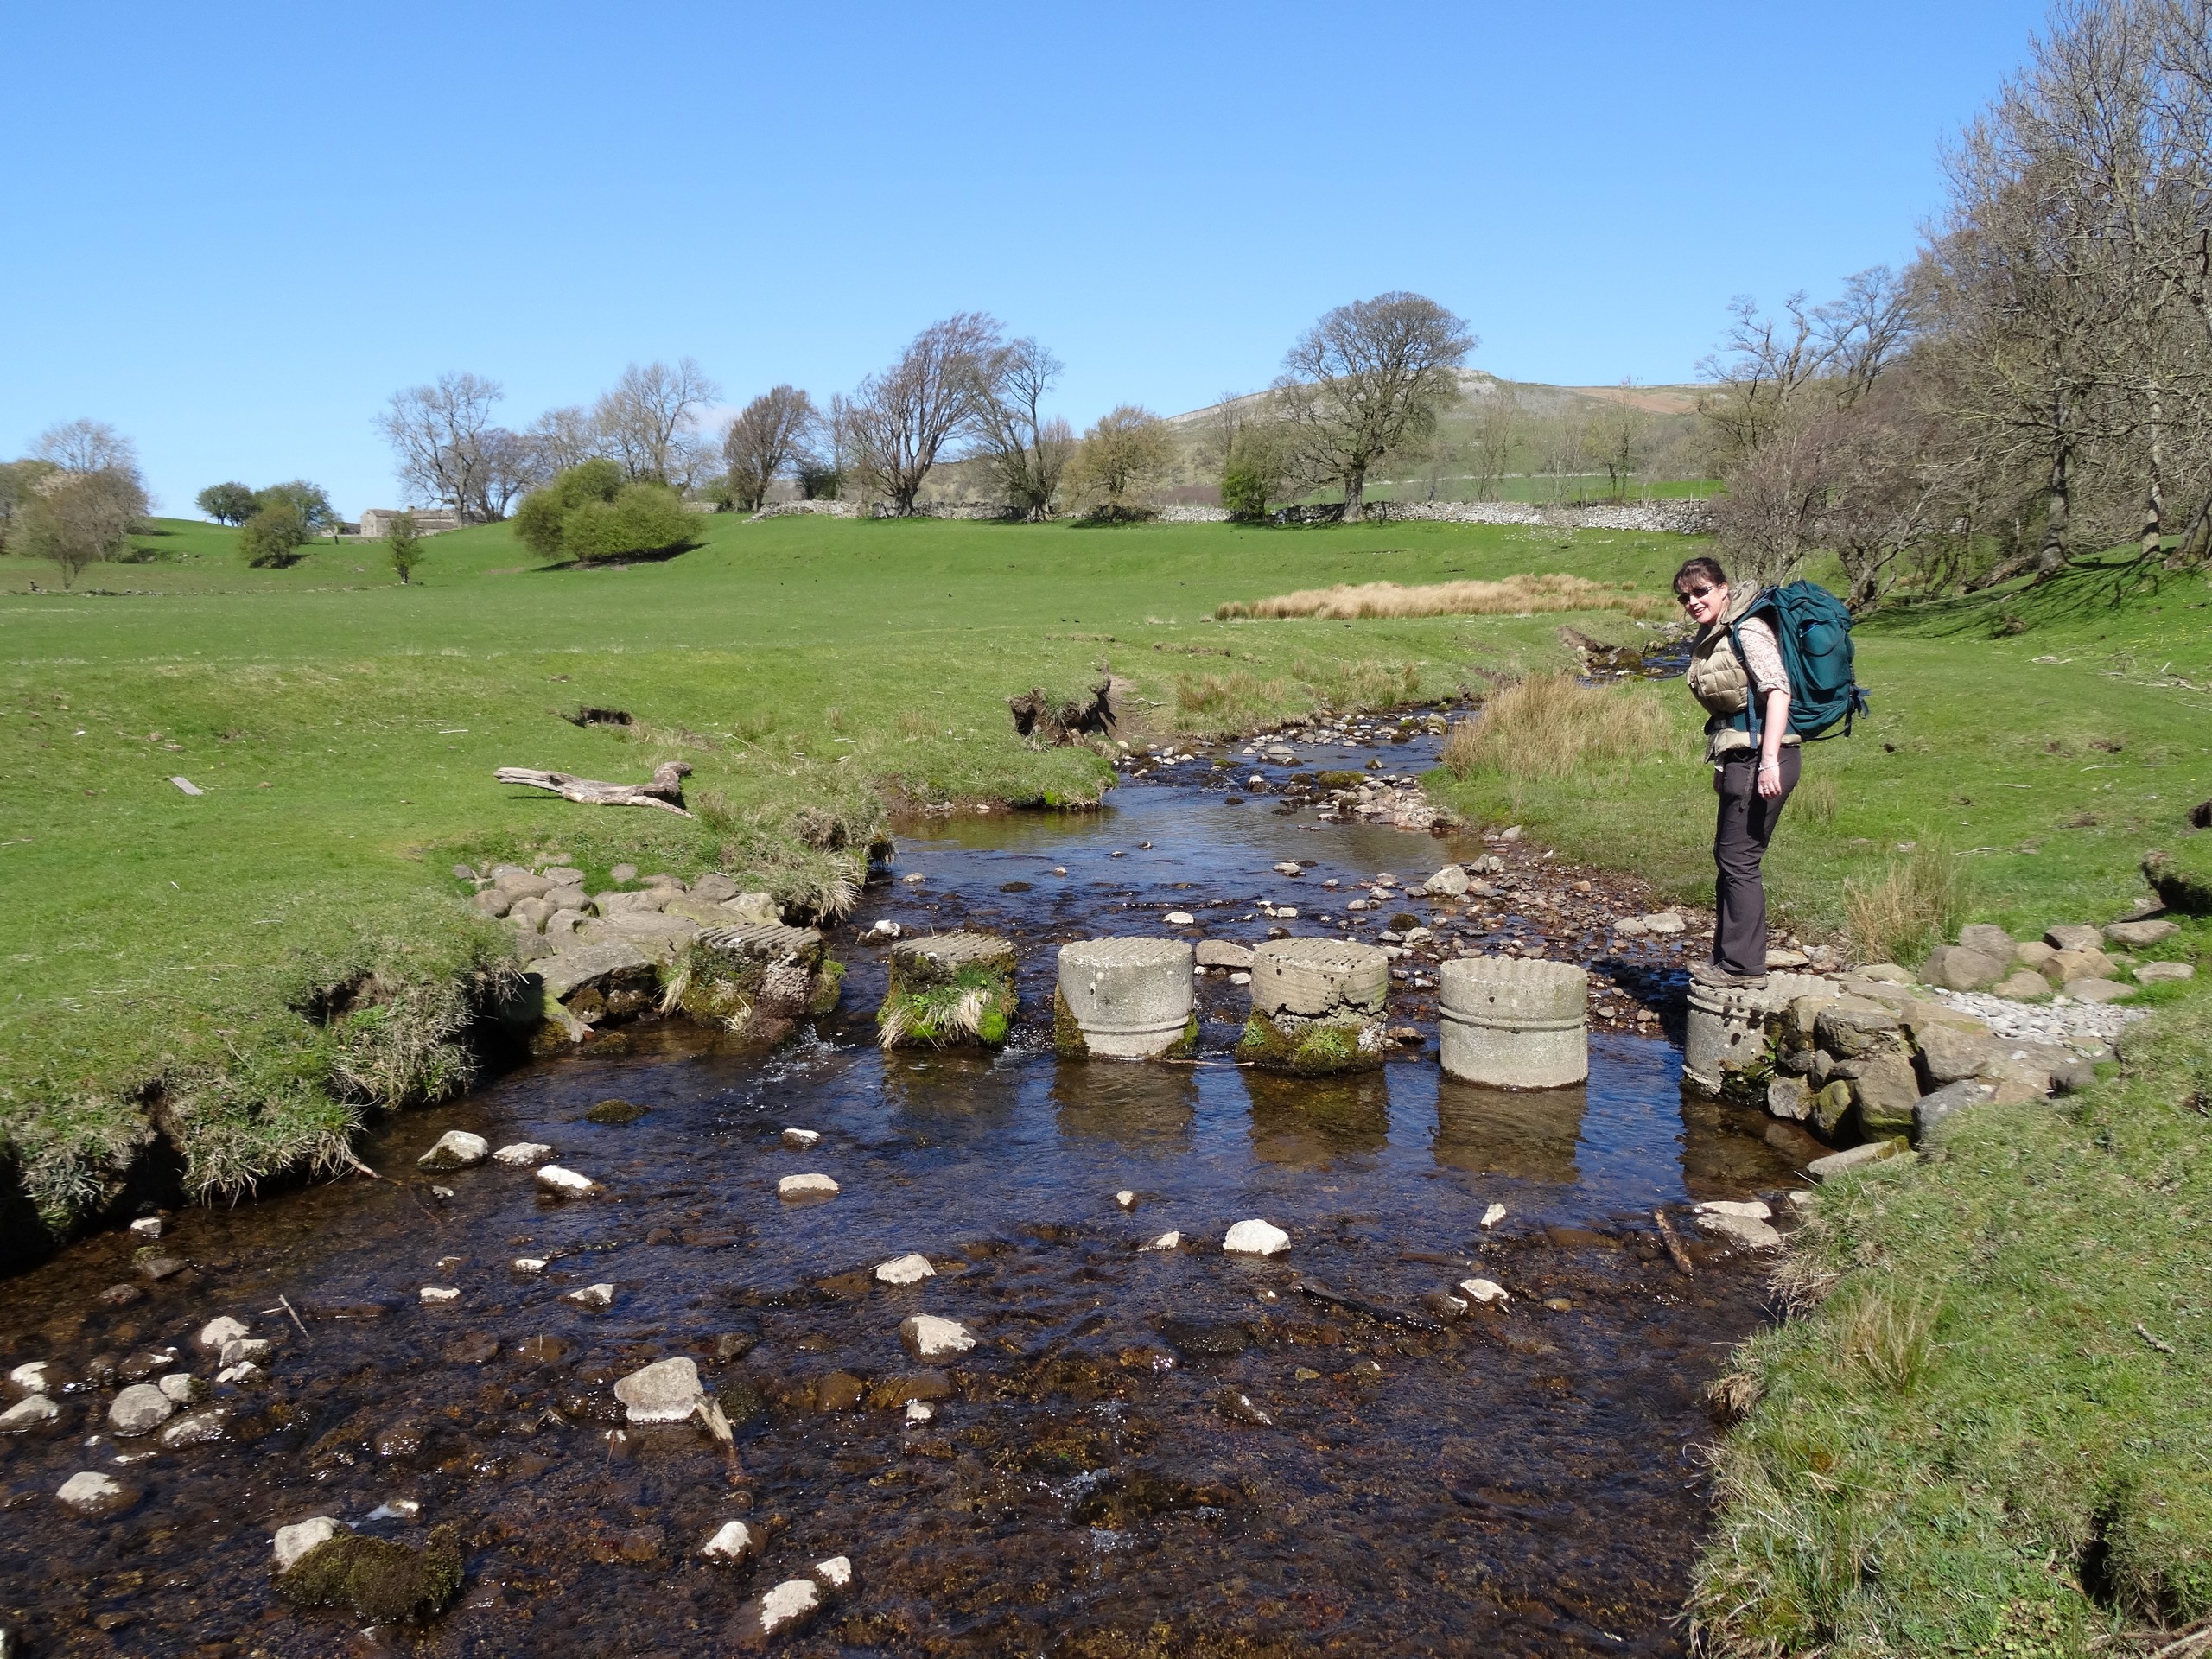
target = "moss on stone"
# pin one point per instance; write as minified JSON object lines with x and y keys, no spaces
{"x":975,"y":1005}
{"x":379,"y":1580}
{"x":829,"y":986}
{"x":1310,"y":1048}
{"x":1068,"y":1040}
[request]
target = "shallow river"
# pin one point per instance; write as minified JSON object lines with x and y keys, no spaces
{"x":1523,"y":1480}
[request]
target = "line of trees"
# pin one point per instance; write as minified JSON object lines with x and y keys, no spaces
{"x":2037,"y":384}
{"x":274,"y":523}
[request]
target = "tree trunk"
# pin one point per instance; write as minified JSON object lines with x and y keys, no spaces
{"x":1355,"y":496}
{"x":2050,"y":557}
{"x":2154,"y":504}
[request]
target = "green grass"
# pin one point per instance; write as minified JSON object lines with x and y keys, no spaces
{"x":345,"y":730}
{"x":1991,"y":1431}
{"x":2046,"y":780}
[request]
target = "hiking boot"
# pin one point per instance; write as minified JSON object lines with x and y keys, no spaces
{"x":1713,"y":974}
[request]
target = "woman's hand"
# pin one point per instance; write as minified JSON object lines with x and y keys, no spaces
{"x":1770,"y":778}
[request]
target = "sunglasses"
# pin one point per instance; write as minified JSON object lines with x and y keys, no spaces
{"x":1685,"y":597}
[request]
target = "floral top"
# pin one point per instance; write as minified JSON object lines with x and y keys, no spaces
{"x":1761,"y":655}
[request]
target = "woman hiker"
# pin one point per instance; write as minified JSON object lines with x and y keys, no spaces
{"x":1752,"y":779}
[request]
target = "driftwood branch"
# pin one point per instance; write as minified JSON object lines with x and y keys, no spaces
{"x":666,"y":791}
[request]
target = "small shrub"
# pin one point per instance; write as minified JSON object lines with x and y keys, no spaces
{"x":1548,"y":726}
{"x":405,"y":542}
{"x":591,"y":513}
{"x":1916,"y":903}
{"x":272,"y":539}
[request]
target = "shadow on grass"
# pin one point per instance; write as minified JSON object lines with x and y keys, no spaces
{"x":621,"y":561}
{"x":2085,"y":590}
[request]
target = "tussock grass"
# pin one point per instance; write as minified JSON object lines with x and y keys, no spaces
{"x":1994,"y":1433}
{"x":1549,"y":726}
{"x":1513,"y":596}
{"x":1914,"y":905}
{"x":1816,"y":799}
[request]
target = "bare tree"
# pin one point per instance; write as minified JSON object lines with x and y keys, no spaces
{"x":436,"y":434}
{"x":1496,"y":431}
{"x":563,"y":438}
{"x":513,"y":465}
{"x":1027,"y":451}
{"x":769,"y":435}
{"x":1619,"y":434}
{"x":903,"y":418}
{"x":649,"y":421}
{"x":1368,"y":379}
{"x":87,"y":446}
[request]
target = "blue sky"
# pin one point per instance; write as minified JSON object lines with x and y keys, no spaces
{"x":233,"y":230}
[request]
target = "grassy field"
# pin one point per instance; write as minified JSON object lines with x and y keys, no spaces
{"x":1987,"y":1433}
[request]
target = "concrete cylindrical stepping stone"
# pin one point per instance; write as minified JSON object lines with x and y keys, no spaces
{"x":1125,"y":1000}
{"x":1727,"y":1027}
{"x":949,"y":989}
{"x":1317,"y":1007}
{"x":1513,"y":1022}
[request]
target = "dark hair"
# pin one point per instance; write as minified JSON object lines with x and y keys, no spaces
{"x":1700,"y":566}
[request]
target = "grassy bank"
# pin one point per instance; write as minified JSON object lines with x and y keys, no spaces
{"x":177,"y":957}
{"x":1990,"y":1429}
{"x":2042,"y":740}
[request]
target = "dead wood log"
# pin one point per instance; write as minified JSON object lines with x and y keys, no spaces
{"x":1036,"y":715}
{"x":666,"y":791}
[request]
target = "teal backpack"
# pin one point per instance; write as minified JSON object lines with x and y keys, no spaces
{"x":1813,"y":627}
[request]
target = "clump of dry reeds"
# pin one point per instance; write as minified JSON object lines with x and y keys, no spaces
{"x":1550,"y":726}
{"x":1513,"y":596}
{"x":1916,"y":903}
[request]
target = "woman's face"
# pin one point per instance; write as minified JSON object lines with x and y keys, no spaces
{"x":1705,"y":602}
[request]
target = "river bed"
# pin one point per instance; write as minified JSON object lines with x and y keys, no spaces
{"x":1095,"y":1480}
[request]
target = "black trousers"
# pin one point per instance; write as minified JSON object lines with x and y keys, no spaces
{"x":1739,"y":840}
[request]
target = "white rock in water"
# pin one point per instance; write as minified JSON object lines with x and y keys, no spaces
{"x":834,"y":1574}
{"x":928,"y":1337}
{"x":528,"y":1264}
{"x":92,"y":1492}
{"x":35,"y":1377}
{"x":241,"y":1374}
{"x":732,"y":1542}
{"x":1752,"y":1209}
{"x":1255,"y":1238}
{"x":140,"y":1409}
{"x":29,"y":1413}
{"x":787,"y":1605}
{"x":905,"y":1270}
{"x":1240,"y":978}
{"x":196,"y":1428}
{"x":1449,"y":882}
{"x":179,"y":1386}
{"x":919,"y":1411}
{"x":813,"y":1186}
{"x":457,"y":1149}
{"x":1165,"y":1242}
{"x":593,"y":1296}
{"x":521,"y":1154}
{"x":666,"y":1391}
{"x":293,"y":1541}
{"x":565,"y":1183}
{"x":1492,"y":1216}
{"x":802,"y":1140}
{"x":439,"y":1293}
{"x":245,"y":1348}
{"x":1745,"y":1231}
{"x":1126,"y":1198}
{"x":147,"y":1227}
{"x":216,"y":1334}
{"x":1484,"y":1290}
{"x":1665,"y":921}
{"x":1179,"y":919}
